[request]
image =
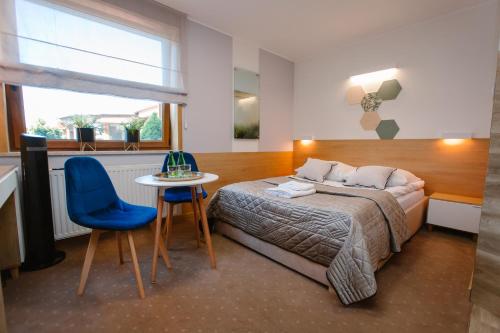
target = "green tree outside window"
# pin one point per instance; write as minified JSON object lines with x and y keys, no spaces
{"x":152,"y":128}
{"x":41,"y":128}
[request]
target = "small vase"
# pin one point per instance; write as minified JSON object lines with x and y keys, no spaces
{"x":86,"y":135}
{"x":132,"y":136}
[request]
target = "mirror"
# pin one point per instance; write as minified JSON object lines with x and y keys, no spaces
{"x":246,"y":104}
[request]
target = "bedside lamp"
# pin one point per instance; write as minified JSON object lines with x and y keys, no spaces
{"x":306,"y":140}
{"x":374,"y":77}
{"x":456,"y":138}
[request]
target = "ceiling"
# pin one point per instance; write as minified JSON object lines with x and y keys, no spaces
{"x":296,"y":28}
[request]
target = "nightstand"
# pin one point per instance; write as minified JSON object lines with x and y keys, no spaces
{"x":454,"y":212}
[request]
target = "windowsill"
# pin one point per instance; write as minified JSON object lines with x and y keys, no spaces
{"x":92,"y":153}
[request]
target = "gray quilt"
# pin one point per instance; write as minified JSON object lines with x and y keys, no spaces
{"x":349,"y":230}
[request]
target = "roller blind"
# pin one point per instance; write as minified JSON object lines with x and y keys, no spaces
{"x":106,"y":47}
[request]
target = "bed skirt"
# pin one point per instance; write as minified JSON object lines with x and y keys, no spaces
{"x":415,"y":217}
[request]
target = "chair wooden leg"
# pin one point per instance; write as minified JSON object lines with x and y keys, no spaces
{"x":206,"y":230}
{"x":120,"y":248}
{"x":163,"y":250}
{"x":14,"y":273}
{"x":94,"y":238}
{"x":170,"y":214}
{"x":157,"y":235}
{"x":169,"y":224}
{"x":165,"y":225}
{"x":202,"y":240}
{"x":195,"y":216}
{"x":137,"y":270}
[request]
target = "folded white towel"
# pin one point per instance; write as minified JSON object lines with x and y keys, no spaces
{"x":297,"y":186}
{"x":287,"y":193}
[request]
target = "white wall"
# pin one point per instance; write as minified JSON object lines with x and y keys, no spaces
{"x":208,"y":115}
{"x":447,"y":70}
{"x":245,"y":55}
{"x":275,"y":97}
{"x":276,"y":101}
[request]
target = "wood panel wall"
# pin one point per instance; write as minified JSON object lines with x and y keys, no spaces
{"x":486,"y":282}
{"x":455,"y":169}
{"x":237,"y":167}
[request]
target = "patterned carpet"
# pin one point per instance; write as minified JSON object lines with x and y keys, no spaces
{"x":424,"y":289}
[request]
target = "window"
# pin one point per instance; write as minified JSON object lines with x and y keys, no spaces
{"x":51,"y":112}
{"x":132,"y":49}
{"x":67,"y":58}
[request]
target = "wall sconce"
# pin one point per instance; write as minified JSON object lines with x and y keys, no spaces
{"x":453,"y":139}
{"x":374,"y":77}
{"x":247,"y":100}
{"x":306,"y":140}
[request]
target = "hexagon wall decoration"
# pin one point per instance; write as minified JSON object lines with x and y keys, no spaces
{"x":355,"y":94}
{"x":387,"y":129}
{"x":371,"y":102}
{"x":389,"y":90}
{"x":370,"y":121}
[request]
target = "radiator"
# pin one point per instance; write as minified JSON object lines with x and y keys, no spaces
{"x":123,"y":180}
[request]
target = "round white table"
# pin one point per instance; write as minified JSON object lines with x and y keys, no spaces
{"x":197,"y":196}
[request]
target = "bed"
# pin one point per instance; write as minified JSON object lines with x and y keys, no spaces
{"x":339,"y":236}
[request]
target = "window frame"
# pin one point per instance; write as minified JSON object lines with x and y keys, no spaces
{"x":17,"y":126}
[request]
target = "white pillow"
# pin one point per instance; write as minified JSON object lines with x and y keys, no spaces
{"x":340,"y":171}
{"x":314,"y":169}
{"x":402,"y":177}
{"x":370,"y":176}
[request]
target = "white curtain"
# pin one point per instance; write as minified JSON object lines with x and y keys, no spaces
{"x":119,"y":47}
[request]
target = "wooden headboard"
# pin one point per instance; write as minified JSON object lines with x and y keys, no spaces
{"x":454,"y":169}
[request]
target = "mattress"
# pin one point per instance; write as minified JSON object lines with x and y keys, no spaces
{"x":415,"y":215}
{"x":408,"y":200}
{"x":414,"y":218}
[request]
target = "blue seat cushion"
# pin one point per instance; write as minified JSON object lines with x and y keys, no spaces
{"x":119,"y":217}
{"x":180,"y":194}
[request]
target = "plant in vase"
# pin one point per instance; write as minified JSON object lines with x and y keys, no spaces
{"x":85,"y":130}
{"x":132,"y":132}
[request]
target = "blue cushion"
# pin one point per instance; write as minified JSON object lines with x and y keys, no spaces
{"x":126,"y":217}
{"x":92,"y":200}
{"x":180,"y":194}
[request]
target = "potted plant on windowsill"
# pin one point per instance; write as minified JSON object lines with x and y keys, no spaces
{"x":133,"y":128}
{"x":85,"y":130}
{"x":133,"y":132}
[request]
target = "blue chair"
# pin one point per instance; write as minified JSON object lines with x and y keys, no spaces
{"x":179,"y":195}
{"x":92,"y":202}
